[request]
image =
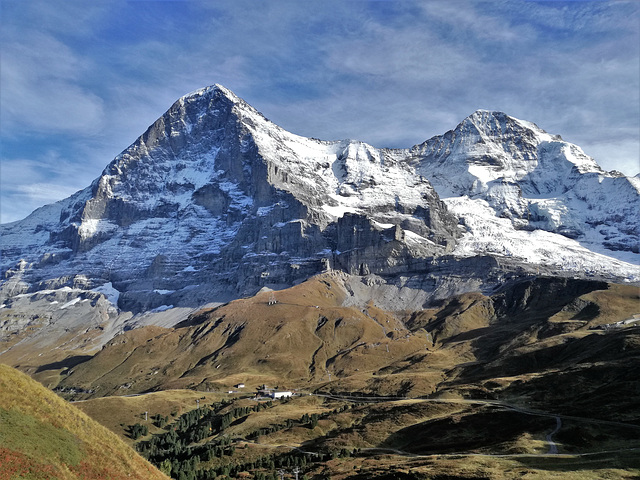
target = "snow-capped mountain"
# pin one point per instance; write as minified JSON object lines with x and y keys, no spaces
{"x":514,"y":185}
{"x":214,"y":201}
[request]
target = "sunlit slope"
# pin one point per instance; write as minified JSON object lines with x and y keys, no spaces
{"x":310,"y":338}
{"x":306,"y":336}
{"x":44,"y":437}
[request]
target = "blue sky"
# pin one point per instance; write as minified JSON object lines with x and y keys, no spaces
{"x":81,"y":80}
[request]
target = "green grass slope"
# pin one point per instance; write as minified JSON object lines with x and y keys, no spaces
{"x":44,"y":437}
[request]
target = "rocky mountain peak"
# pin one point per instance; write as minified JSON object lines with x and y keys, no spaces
{"x":215,"y":194}
{"x":497,"y":124}
{"x":214,"y":197}
{"x":491,"y":146}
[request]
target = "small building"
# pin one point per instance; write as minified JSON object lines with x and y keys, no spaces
{"x":240,"y":385}
{"x":264,"y":391}
{"x":276,"y":395}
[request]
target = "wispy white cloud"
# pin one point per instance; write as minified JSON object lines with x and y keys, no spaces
{"x":84,"y":80}
{"x":41,"y":89}
{"x":28,"y":183}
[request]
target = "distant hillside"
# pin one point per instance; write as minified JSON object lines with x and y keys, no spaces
{"x":44,"y":437}
{"x":539,"y":380}
{"x":329,"y":334}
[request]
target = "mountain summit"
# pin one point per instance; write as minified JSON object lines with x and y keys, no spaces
{"x":214,"y":202}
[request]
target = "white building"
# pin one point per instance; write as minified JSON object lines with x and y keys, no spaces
{"x":275,"y":395}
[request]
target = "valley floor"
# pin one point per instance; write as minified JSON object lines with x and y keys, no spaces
{"x":357,"y":437}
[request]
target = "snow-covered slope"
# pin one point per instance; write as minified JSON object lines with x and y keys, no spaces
{"x":525,"y":194}
{"x":214,"y":201}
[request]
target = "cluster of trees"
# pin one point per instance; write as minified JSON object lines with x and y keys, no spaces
{"x":191,"y":427}
{"x":138,"y":430}
{"x":266,"y":467}
{"x":174,"y":453}
{"x":179,"y":452}
{"x":160,"y":421}
{"x":185,"y":470}
{"x":263,"y":468}
{"x":180,"y":460}
{"x":311,"y":420}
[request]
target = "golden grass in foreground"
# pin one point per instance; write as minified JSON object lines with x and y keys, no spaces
{"x":44,"y":437}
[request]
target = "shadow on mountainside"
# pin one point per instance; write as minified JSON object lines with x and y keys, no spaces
{"x":68,"y":362}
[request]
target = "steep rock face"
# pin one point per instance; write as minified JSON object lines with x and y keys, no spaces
{"x":214,"y":201}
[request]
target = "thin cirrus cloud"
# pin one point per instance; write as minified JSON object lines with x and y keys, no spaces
{"x":40,"y":89}
{"x":34,"y":182}
{"x":81,"y":81}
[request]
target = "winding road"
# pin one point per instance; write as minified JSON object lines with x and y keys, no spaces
{"x":553,"y":447}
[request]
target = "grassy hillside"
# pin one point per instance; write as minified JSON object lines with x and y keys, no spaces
{"x":481,"y":383}
{"x":341,"y":437}
{"x":309,"y":339}
{"x":118,"y":413}
{"x":44,"y":437}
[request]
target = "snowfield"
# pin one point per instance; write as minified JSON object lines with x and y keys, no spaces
{"x":497,"y":236}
